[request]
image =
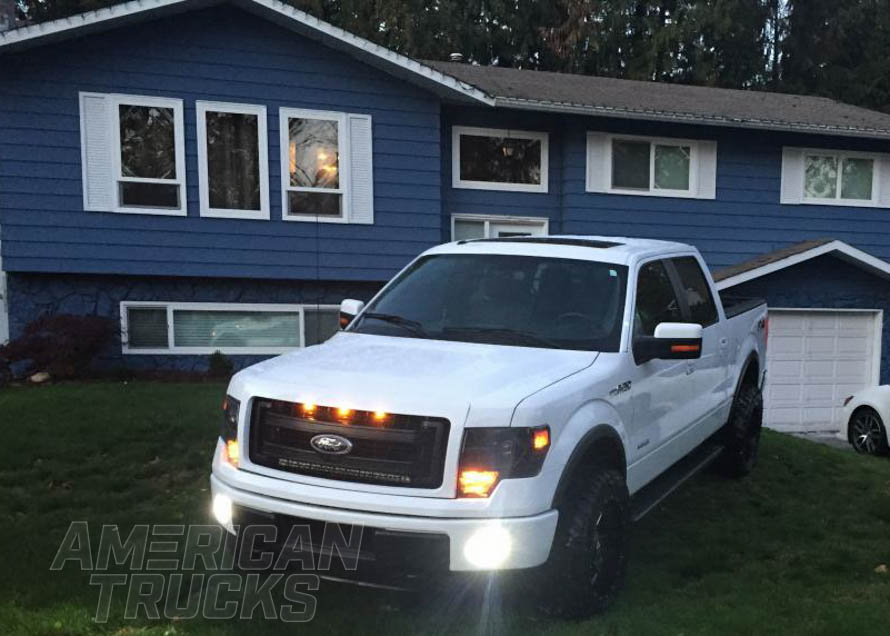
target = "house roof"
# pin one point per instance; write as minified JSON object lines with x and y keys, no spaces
{"x":509,"y":88}
{"x":796,"y":254}
{"x":589,"y":95}
{"x":139,"y":10}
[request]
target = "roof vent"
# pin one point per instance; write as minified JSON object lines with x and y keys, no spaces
{"x":456,"y":57}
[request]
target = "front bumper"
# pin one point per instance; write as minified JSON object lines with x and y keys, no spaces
{"x":530,"y":538}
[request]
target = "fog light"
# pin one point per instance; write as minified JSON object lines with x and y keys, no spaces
{"x":488,"y":548}
{"x":222,"y":509}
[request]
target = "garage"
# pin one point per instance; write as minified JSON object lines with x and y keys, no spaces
{"x":816,"y":358}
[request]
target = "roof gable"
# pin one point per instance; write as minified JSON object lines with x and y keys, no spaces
{"x":298,"y":21}
{"x":796,"y":254}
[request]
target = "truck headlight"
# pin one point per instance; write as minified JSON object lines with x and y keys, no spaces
{"x":229,"y":430}
{"x":489,"y":455}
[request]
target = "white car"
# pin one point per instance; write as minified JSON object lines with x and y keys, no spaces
{"x":864,"y":416}
{"x":501,"y":404}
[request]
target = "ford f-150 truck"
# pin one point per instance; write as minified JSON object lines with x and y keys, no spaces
{"x":503,"y":404}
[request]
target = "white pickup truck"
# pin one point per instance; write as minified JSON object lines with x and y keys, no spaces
{"x":502,"y":404}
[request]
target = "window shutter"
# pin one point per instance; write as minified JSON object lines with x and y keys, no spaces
{"x":597,"y":162}
{"x":361,"y":170}
{"x":707,"y":170}
{"x":95,"y":152}
{"x":792,"y":176}
{"x":882,"y":177}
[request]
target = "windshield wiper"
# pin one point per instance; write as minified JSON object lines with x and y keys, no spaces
{"x":400,"y":321}
{"x":514,"y":335}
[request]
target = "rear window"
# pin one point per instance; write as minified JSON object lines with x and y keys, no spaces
{"x":698,"y":293}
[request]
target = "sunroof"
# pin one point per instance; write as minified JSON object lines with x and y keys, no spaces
{"x":545,"y":240}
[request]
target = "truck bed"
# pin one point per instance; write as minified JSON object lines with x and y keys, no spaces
{"x":736,"y":305}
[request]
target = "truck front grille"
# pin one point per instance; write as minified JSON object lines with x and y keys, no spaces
{"x":402,"y":450}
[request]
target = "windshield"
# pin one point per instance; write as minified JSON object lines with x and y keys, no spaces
{"x":503,"y":299}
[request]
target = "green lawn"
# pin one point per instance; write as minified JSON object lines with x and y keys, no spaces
{"x":792,"y":549}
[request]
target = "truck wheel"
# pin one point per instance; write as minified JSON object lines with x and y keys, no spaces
{"x":741,"y":434}
{"x":589,"y":556}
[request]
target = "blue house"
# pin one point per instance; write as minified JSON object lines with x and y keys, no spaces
{"x":218,"y":175}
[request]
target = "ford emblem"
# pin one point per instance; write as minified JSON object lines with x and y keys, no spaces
{"x":331,"y":444}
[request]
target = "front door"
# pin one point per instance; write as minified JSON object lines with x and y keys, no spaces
{"x":710,"y":371}
{"x":661,"y":389}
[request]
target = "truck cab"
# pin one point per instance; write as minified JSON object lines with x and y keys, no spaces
{"x":500,"y":404}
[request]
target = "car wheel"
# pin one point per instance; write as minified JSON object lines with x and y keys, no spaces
{"x":867,"y":433}
{"x":741,"y":434}
{"x":589,"y":556}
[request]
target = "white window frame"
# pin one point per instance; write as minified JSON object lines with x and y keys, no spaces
{"x":457,"y":182}
{"x":691,"y":193}
{"x":170,"y":307}
{"x":488,"y":219}
{"x":841,"y":155}
{"x":343,"y":163}
{"x":201,"y":110}
{"x":115,"y":100}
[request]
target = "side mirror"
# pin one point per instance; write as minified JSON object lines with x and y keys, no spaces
{"x":349,"y":309}
{"x":672,"y":341}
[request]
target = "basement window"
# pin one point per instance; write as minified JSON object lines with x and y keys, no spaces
{"x":203,"y":328}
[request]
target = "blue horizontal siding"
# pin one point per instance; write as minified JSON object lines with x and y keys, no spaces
{"x":743,"y":221}
{"x":499,"y":202}
{"x":825,"y":282}
{"x":220,"y":54}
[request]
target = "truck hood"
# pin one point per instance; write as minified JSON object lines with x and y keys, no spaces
{"x":479,"y":384}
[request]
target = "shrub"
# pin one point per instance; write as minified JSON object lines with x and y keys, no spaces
{"x":220,"y":365}
{"x":63,"y":345}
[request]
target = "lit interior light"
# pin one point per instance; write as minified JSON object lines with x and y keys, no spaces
{"x":232,"y":453}
{"x":292,"y":157}
{"x":222,"y":509}
{"x":541,"y":439}
{"x":477,"y":483}
{"x":488,"y":548}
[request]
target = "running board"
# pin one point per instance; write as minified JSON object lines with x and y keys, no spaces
{"x":656,"y":491}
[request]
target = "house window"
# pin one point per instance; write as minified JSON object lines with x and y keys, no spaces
{"x":490,"y":159}
{"x":831,"y":177}
{"x":233,"y":160}
{"x":651,"y":167}
{"x":133,"y":154}
{"x":477,"y":226}
{"x":327,"y":171}
{"x":202,"y":328}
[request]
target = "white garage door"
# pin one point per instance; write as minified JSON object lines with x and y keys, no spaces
{"x":816,"y":359}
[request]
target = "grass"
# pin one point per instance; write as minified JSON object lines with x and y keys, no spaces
{"x":791,"y":550}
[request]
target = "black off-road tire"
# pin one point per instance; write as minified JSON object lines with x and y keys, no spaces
{"x":589,"y":555}
{"x":741,"y":434}
{"x":867,"y":432}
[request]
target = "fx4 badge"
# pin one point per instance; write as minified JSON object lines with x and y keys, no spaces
{"x":621,"y":388}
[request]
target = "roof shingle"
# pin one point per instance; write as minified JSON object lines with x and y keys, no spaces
{"x":542,"y":90}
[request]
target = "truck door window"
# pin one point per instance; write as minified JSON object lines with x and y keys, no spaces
{"x":698,"y":294}
{"x":656,"y":300}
